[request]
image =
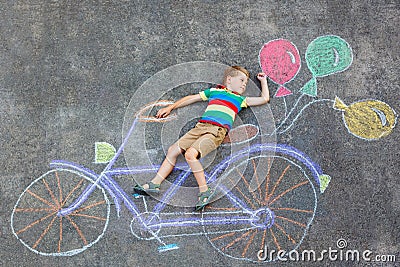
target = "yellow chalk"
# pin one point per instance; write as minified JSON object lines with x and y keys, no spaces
{"x":367,"y":119}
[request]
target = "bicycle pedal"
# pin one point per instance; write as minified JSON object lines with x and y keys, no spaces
{"x":167,"y":247}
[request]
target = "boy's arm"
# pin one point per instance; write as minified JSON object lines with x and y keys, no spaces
{"x":264,"y":98}
{"x":184,"y":101}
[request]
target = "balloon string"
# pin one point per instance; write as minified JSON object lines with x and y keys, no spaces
{"x":286,"y":109}
{"x":288,"y":115}
{"x":300,"y":112}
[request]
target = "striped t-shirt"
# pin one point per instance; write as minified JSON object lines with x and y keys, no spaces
{"x":223,"y":105}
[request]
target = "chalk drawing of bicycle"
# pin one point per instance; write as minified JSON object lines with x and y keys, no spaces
{"x":67,"y":210}
{"x":267,"y":195}
{"x":267,"y":192}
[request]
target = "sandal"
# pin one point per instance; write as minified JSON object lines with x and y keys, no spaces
{"x":204,"y":199}
{"x":153,"y":188}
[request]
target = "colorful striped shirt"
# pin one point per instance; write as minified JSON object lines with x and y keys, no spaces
{"x":223,"y":105}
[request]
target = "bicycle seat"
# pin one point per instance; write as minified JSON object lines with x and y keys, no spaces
{"x":143,"y":113}
{"x":241,"y":134}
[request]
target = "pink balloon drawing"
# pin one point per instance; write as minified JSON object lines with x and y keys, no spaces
{"x":280,"y":61}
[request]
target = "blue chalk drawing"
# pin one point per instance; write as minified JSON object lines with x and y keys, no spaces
{"x":70,"y":194}
{"x":67,"y":210}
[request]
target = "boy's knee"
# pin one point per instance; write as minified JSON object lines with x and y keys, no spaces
{"x":191,"y":154}
{"x":174,"y":151}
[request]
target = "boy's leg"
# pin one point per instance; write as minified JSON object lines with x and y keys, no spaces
{"x":191,"y":156}
{"x":173,"y":152}
{"x":206,"y":143}
{"x":167,"y":166}
{"x":205,"y":194}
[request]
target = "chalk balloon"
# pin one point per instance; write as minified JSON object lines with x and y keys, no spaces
{"x":367,"y":119}
{"x":327,"y":55}
{"x":280,"y":61}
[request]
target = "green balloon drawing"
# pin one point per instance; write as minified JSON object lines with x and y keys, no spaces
{"x":326,"y":55}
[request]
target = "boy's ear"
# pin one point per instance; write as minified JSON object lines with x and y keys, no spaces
{"x":228,"y":79}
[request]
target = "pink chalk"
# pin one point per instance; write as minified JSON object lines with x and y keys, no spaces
{"x":280,"y":60}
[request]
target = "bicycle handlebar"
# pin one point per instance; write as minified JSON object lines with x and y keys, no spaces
{"x":142,"y":117}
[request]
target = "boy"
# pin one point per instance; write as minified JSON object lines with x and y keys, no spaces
{"x":224,"y":103}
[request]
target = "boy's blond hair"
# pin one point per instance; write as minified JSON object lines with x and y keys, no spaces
{"x":234,"y":71}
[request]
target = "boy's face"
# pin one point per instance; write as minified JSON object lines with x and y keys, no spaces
{"x":237,"y":83}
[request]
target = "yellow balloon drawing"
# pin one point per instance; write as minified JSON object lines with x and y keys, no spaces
{"x":367,"y":119}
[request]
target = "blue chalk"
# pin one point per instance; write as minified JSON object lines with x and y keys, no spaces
{"x":168,"y":247}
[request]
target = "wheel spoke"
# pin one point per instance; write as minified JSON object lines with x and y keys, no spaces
{"x":244,"y":196}
{"x":223,"y":236}
{"x":34,"y":209}
{"x":61,"y":235}
{"x":288,"y":190}
{"x":72,"y":191}
{"x":89,"y":207}
{"x":275,"y":240}
{"x":77,"y":230}
{"x":267,"y":182}
{"x":278,"y":182}
{"x":44,"y":232}
{"x":279,"y":210}
{"x":292,"y":209}
{"x":292,"y":221}
{"x":263,"y":239}
{"x":41,"y":199}
{"x":236,"y":240}
{"x":247,"y":186}
{"x":60,"y":194}
{"x":35,"y":222}
{"x":248,"y":243}
{"x":51,"y":194}
{"x":284,"y":232}
{"x":258,"y":182}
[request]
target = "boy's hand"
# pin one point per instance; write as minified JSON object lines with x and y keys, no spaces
{"x":164,"y":112}
{"x":264,"y":97}
{"x":261,"y":76}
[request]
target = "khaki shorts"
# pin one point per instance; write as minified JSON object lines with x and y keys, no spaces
{"x":204,"y":137}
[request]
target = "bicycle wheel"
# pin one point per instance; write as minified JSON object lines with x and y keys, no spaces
{"x":273,"y":217}
{"x":36,"y":223}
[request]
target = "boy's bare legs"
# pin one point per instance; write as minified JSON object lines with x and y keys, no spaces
{"x":167,"y":166}
{"x":196,"y":167}
{"x":198,"y":172}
